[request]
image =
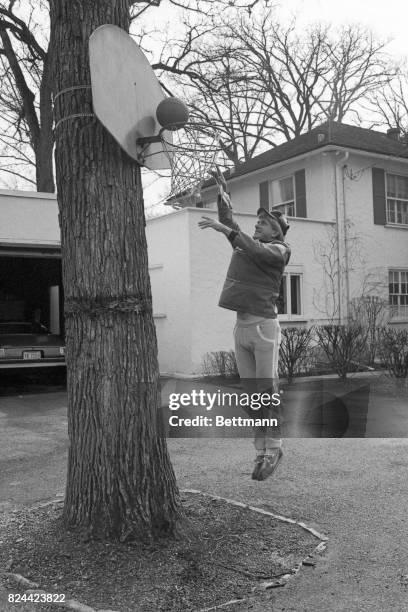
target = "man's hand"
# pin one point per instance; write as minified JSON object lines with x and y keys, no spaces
{"x":215,"y":225}
{"x":222,"y":186}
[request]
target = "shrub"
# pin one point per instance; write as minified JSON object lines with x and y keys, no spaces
{"x":393,"y":349}
{"x":372,"y":313}
{"x":343,"y":345}
{"x":293,"y":349}
{"x":220,"y":363}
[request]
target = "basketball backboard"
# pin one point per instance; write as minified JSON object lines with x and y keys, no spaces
{"x":125,"y":93}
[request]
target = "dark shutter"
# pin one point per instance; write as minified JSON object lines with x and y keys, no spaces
{"x":300,"y":190}
{"x":379,"y":196}
{"x":264,"y":195}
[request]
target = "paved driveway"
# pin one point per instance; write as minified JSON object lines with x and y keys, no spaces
{"x":354,"y":490}
{"x":33,"y":447}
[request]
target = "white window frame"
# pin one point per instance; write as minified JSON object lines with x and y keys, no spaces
{"x":398,"y":311}
{"x":286,"y":203}
{"x":288,"y":316}
{"x":395,"y":202}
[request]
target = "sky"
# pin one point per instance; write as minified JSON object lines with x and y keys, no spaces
{"x":387,"y":18}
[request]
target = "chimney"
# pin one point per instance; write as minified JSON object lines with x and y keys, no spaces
{"x":394,"y":133}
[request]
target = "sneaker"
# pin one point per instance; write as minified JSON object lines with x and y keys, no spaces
{"x":258,"y":464}
{"x":270,"y":462}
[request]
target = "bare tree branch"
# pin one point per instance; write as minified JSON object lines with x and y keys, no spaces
{"x":10,"y":21}
{"x":27,"y":96}
{"x":18,"y":174}
{"x":252,"y":79}
{"x":202,"y":7}
{"x":390,"y":105}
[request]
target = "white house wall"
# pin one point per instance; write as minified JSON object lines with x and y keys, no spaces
{"x":210,"y":253}
{"x":28,"y":218}
{"x":319,"y":169}
{"x":169,"y":268}
{"x":380,"y":247}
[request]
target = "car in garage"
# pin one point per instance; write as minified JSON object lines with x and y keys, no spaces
{"x":24,"y":344}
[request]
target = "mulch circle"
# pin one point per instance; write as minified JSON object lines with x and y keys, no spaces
{"x":222,"y":552}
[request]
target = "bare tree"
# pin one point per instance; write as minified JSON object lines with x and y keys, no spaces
{"x":222,"y":98}
{"x":358,"y":67}
{"x":201,"y":7}
{"x":372,"y":313}
{"x":15,"y":152}
{"x":320,"y":74}
{"x":294,"y":347}
{"x":357,"y":340}
{"x":393,"y":348}
{"x":343,"y":345}
{"x":326,"y":298}
{"x":340,"y":257}
{"x":390,"y":104}
{"x":224,"y":78}
{"x":290,"y":69}
{"x":265,"y":82}
{"x":27,"y":141}
{"x":26,"y":95}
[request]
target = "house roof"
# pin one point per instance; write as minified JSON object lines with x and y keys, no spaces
{"x":328,"y":133}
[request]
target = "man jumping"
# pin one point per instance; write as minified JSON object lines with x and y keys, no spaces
{"x":251,"y":289}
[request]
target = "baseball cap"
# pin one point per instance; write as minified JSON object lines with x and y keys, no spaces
{"x":278,"y":216}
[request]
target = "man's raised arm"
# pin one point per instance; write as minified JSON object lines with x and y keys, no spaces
{"x":224,"y":202}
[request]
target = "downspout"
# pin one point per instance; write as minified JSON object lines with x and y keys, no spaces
{"x":346,"y":241}
{"x":341,"y":244}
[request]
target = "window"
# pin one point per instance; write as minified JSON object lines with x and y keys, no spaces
{"x":397,"y":199}
{"x":398,"y":292}
{"x":283,"y":195}
{"x":289,"y":301}
{"x":286,"y":194}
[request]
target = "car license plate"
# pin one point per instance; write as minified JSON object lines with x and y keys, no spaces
{"x":31,"y":354}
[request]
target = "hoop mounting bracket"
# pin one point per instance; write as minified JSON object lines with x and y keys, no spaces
{"x":144,"y":140}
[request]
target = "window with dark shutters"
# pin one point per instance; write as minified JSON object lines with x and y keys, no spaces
{"x":379,"y":196}
{"x":264,"y":195}
{"x":287,"y":194}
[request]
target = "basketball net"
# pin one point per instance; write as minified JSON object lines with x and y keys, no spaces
{"x":192,"y":155}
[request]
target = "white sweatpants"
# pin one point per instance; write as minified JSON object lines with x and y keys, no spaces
{"x":257,"y":355}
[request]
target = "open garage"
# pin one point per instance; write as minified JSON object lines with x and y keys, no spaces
{"x":31,"y":287}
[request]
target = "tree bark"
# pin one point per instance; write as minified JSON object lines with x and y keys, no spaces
{"x":45,"y":143}
{"x":120,"y":480}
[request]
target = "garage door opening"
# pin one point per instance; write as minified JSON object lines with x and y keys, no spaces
{"x":31,"y":289}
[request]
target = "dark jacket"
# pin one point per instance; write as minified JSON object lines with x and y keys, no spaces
{"x":255,"y":271}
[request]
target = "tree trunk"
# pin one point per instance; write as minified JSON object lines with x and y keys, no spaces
{"x":120,"y":480}
{"x":44,"y":175}
{"x":45,"y":143}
